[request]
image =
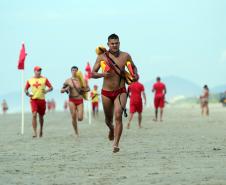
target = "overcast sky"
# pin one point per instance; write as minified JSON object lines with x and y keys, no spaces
{"x":185,"y":38}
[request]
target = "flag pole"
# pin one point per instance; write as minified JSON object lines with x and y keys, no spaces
{"x":89,"y":109}
{"x":22,"y":102}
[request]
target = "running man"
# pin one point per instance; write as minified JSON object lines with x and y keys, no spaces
{"x":113,"y":92}
{"x":95,"y":99}
{"x":38,"y":85}
{"x":204,"y":101}
{"x":74,"y":88}
{"x":159,"y":89}
{"x":136,"y":105}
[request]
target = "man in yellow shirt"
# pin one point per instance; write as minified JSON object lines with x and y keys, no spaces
{"x":95,"y":98}
{"x":37,"y":93}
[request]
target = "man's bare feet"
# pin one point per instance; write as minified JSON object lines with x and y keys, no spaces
{"x":40,"y":134}
{"x":154,"y":119}
{"x":111,"y":135}
{"x":115,"y":149}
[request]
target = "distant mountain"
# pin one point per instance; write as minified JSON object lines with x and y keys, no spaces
{"x":218,"y":89}
{"x":176,"y":86}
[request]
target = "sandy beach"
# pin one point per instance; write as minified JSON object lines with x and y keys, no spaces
{"x":184,"y":149}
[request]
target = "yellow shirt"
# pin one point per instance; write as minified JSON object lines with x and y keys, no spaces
{"x":38,"y":86}
{"x":94,"y":96}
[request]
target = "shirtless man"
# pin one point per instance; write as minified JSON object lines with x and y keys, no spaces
{"x":113,"y":92}
{"x":38,"y":85}
{"x":159,"y":89}
{"x":72,"y":86}
{"x":204,"y":100}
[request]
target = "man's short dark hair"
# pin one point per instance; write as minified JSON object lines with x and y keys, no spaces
{"x":158,"y":78}
{"x":74,"y":67}
{"x":113,"y":36}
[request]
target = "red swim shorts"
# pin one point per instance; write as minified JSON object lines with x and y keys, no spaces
{"x":38,"y":106}
{"x":159,"y":101}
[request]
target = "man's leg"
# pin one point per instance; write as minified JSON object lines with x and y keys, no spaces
{"x":118,"y":119}
{"x":156,"y":114}
{"x":41,"y":121}
{"x":207,"y":109}
{"x":108,"y":107}
{"x":161,"y":114}
{"x":139,"y":119}
{"x":34,"y":123}
{"x":130,"y":119}
{"x":80,"y":111}
{"x":73,"y":112}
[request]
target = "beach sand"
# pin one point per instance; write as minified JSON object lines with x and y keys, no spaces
{"x":184,"y":149}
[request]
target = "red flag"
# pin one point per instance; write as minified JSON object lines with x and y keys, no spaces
{"x":88,"y":70}
{"x":22,"y":58}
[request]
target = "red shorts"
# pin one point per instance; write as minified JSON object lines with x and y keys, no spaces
{"x":159,"y":101}
{"x":113,"y":94}
{"x":95,"y":106}
{"x":136,"y":107}
{"x":38,"y":106}
{"x":76,"y":101}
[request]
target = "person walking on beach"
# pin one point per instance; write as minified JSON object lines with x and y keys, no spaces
{"x":114,"y":94}
{"x":136,"y":105}
{"x":95,"y":99}
{"x":204,"y":101}
{"x":74,"y":88}
{"x":4,"y":106}
{"x":159,"y":89}
{"x":38,"y":86}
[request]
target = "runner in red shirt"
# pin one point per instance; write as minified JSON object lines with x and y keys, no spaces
{"x":135,"y":90}
{"x":159,"y":89}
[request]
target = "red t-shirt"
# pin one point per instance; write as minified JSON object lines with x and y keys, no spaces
{"x":135,"y":90}
{"x":159,"y":88}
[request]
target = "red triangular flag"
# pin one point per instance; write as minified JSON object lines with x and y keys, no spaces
{"x":88,"y":70}
{"x":22,"y":58}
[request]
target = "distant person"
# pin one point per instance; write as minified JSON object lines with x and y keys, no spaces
{"x":4,"y":106}
{"x":136,"y":105}
{"x":49,"y":105}
{"x":73,"y":87}
{"x":53,"y":105}
{"x":159,"y":89}
{"x":38,"y":85}
{"x":66,"y":105}
{"x":95,"y":99}
{"x":204,"y":101}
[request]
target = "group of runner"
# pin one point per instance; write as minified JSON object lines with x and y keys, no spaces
{"x":114,"y":93}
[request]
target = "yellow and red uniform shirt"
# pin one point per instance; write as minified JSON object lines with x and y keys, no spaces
{"x":38,"y":86}
{"x":94,"y":95}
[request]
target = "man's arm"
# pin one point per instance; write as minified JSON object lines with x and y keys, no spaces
{"x":96,"y":67}
{"x":50,"y":87}
{"x":165,"y":91}
{"x":144,"y":97}
{"x":27,"y":86}
{"x":65,"y":88}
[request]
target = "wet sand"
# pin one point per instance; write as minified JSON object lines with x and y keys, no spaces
{"x":184,"y":149}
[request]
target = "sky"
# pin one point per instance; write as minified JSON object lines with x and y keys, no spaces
{"x":184,"y":38}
